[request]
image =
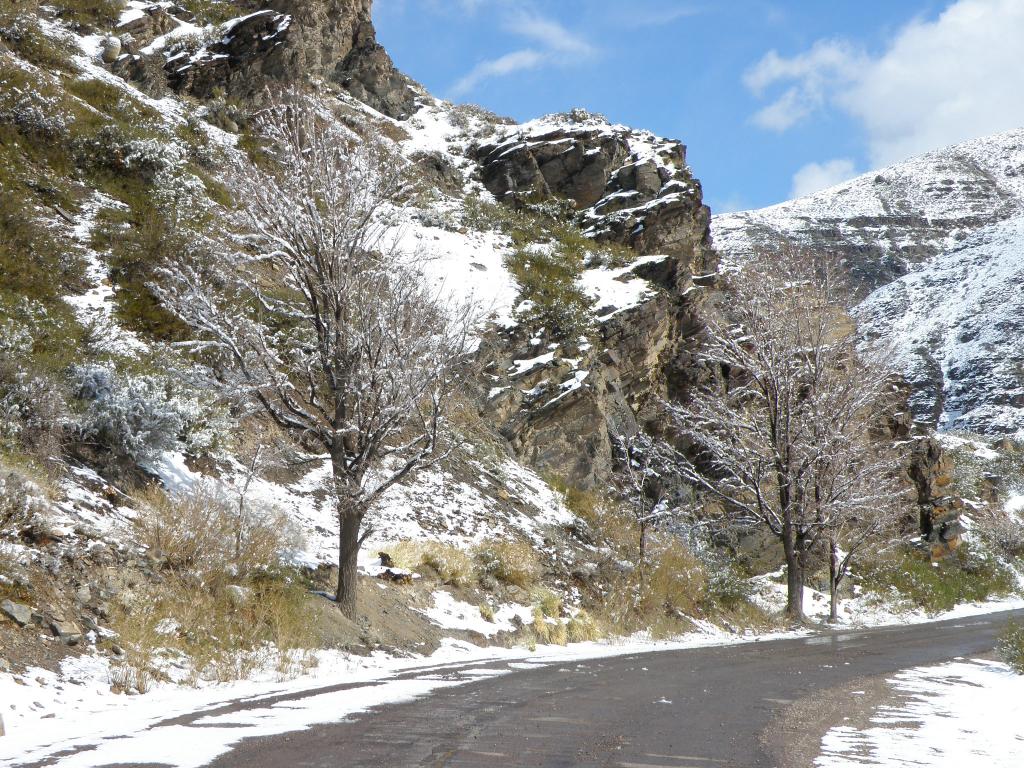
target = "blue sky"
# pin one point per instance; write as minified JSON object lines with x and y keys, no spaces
{"x":772,"y":98}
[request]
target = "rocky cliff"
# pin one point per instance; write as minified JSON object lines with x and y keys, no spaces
{"x":280,"y":43}
{"x":625,"y":187}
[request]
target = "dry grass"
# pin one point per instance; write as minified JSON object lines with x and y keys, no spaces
{"x":209,"y":536}
{"x":582,"y":628}
{"x":549,"y":602}
{"x":213,"y":634}
{"x":225,"y":603}
{"x":450,"y":564}
{"x":539,"y":625}
{"x":510,"y":562}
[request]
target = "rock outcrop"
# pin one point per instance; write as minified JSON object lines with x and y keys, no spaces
{"x":628,"y":186}
{"x":931,"y":470}
{"x":563,"y":412}
{"x":287,"y":41}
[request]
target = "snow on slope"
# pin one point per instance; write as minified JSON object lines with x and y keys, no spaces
{"x":956,"y":715}
{"x":891,"y":219}
{"x":956,"y":326}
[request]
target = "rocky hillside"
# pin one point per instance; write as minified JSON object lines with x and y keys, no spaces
{"x":587,"y":244}
{"x":936,"y":243}
{"x":117,"y":121}
{"x":956,"y":325}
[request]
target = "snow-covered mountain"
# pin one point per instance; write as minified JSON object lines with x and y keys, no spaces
{"x":888,"y":221}
{"x":956,"y":325}
{"x":938,"y":245}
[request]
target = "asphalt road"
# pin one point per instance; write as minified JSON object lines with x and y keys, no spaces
{"x":699,"y":708}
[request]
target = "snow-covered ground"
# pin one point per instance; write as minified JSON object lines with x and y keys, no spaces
{"x":964,"y":714}
{"x":46,"y":713}
{"x":866,"y":609}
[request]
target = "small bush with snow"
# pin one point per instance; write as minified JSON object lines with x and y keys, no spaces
{"x":1011,"y":646}
{"x":141,"y":416}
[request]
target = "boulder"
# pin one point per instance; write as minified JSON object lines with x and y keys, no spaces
{"x":68,"y":632}
{"x":110,"y":49}
{"x":20,"y":614}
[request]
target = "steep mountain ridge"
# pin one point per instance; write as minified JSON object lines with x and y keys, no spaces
{"x":886,"y":222}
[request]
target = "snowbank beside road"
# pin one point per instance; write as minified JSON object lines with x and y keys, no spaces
{"x":956,"y":715}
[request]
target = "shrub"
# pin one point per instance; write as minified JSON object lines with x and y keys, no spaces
{"x":206,"y":536}
{"x":140,"y":416}
{"x":35,"y":346}
{"x":211,"y":11}
{"x":510,"y":562}
{"x":21,"y":31}
{"x":452,"y":565}
{"x":726,"y":587}
{"x":1011,"y":646}
{"x":675,"y":583}
{"x":661,"y":596}
{"x":582,"y":628}
{"x":20,"y":503}
{"x":549,"y":289}
{"x":968,"y":576}
{"x":1002,"y":533}
{"x":91,"y":13}
{"x":486,"y":612}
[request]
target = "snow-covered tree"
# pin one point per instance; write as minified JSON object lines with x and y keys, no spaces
{"x":643,"y":489}
{"x":321,"y":319}
{"x":781,"y":436}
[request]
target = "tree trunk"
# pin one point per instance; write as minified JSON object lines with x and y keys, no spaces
{"x":350,"y":520}
{"x":833,"y":584}
{"x":794,"y":575}
{"x":348,"y":554}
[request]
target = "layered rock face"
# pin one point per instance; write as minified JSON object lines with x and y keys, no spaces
{"x":956,"y":328}
{"x":628,"y":186}
{"x":631,"y":188}
{"x":887,"y":222}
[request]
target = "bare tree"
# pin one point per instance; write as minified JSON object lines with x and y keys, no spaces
{"x":780,"y":436}
{"x":642,"y":487}
{"x":322,"y":320}
{"x":857,"y":492}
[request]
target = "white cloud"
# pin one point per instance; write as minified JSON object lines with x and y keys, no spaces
{"x":938,"y":81}
{"x":549,"y":33}
{"x":553,"y":45}
{"x":517,"y":61}
{"x":813,"y":76}
{"x":815,"y":177}
{"x":636,"y":16}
